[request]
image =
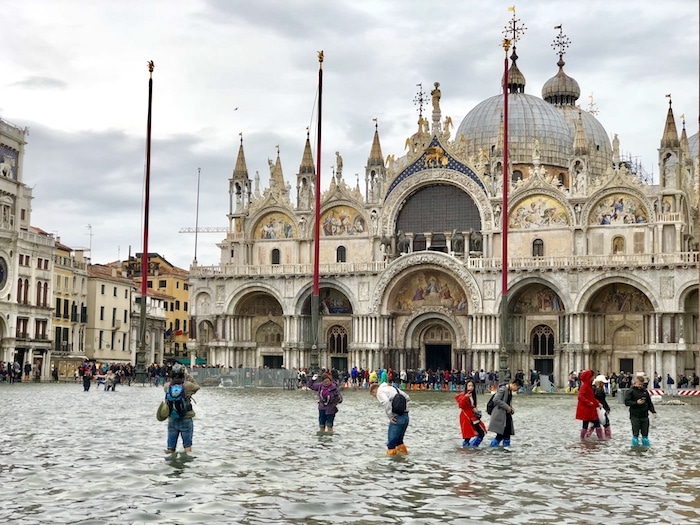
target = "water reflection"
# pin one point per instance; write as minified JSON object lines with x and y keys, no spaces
{"x":98,"y":457}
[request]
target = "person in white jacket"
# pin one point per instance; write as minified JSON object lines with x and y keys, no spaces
{"x":396,"y":411}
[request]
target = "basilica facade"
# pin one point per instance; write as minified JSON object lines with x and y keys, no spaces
{"x":601,"y":264}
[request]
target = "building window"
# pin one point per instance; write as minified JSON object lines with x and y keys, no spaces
{"x":162,"y":284}
{"x":149,"y":284}
{"x":102,"y":289}
{"x":126,"y":294}
{"x":102,"y":313}
{"x":538,"y":248}
{"x":340,"y":255}
{"x":517,"y":175}
{"x":99,"y":342}
{"x":184,"y":306}
{"x":177,"y":305}
{"x":275,"y":256}
{"x":337,"y":340}
{"x":115,"y":292}
{"x":187,"y":286}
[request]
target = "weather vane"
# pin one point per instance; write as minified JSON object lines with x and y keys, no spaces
{"x":561,"y":42}
{"x":420,"y":100}
{"x":513,"y":31}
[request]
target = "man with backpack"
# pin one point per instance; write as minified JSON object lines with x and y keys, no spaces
{"x":395,"y":404}
{"x":178,"y":395}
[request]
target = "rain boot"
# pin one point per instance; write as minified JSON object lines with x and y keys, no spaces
{"x":583,"y":433}
{"x":635,"y":441}
{"x":401,"y":449}
{"x":465,"y":443}
{"x":476,"y":442}
{"x":494,"y":442}
{"x":645,"y":441}
{"x":506,"y":442}
{"x":608,"y":432}
{"x":589,"y":432}
{"x":391,"y":452}
{"x":599,"y":432}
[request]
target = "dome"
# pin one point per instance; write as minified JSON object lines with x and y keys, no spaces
{"x":693,"y":144}
{"x":561,"y":88}
{"x":529,"y":118}
{"x":599,"y":147}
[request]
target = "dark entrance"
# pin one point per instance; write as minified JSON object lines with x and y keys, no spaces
{"x":627,"y":365}
{"x":272,"y":361}
{"x":438,"y":356}
{"x":339,"y":363}
{"x":544,"y":366}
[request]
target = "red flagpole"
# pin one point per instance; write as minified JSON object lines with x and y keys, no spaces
{"x":317,"y":228}
{"x":141,"y":353}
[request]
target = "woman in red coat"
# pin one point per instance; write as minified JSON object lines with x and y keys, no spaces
{"x":587,"y":406}
{"x":473,"y":429}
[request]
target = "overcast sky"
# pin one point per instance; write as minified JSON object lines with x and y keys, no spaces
{"x":74,"y":72}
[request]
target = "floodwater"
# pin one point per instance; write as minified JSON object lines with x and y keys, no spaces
{"x":72,"y":457}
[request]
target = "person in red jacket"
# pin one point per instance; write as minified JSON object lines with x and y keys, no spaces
{"x":587,"y":406}
{"x":473,"y":429}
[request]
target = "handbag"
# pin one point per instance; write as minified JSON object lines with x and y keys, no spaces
{"x":163,"y":411}
{"x":602,"y":416}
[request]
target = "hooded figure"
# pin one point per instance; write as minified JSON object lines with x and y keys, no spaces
{"x":587,"y":407}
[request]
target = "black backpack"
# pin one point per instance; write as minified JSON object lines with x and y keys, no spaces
{"x":490,"y":404}
{"x":398,"y":403}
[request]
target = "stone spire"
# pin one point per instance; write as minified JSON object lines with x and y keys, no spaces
{"x":306,"y":178}
{"x":239,"y":184}
{"x":670,"y":136}
{"x":375,"y":170}
{"x":580,"y":144}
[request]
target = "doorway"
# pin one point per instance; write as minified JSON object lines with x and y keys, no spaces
{"x":544,"y":366}
{"x":438,"y":356}
{"x":272,"y":361}
{"x":627,"y":365}
{"x":339,"y":363}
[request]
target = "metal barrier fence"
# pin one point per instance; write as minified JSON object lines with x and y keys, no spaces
{"x":246,"y":377}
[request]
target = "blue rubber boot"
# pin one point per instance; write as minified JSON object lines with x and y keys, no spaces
{"x":465,"y":443}
{"x":635,"y":441}
{"x":506,"y":442}
{"x":645,"y":441}
{"x":475,"y":442}
{"x":494,"y":443}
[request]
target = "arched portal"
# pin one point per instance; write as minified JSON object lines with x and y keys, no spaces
{"x":435,"y":338}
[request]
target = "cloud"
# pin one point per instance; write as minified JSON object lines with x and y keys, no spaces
{"x":36,"y":82}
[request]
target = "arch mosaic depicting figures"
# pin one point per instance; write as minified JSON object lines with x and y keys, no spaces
{"x":538,"y":211}
{"x":626,"y":292}
{"x":618,"y":208}
{"x":274,"y":225}
{"x":536,"y":298}
{"x":403,"y":191}
{"x":408,"y":267}
{"x":424,"y":288}
{"x":342,"y":221}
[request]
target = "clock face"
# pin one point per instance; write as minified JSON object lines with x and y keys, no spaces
{"x":3,"y":273}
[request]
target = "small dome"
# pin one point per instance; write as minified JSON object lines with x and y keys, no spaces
{"x":561,"y":89}
{"x":599,"y":148}
{"x":693,"y":144}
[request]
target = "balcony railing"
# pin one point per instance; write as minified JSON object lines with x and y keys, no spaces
{"x":476,"y":264}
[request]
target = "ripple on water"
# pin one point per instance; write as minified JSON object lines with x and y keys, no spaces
{"x":97,"y":457}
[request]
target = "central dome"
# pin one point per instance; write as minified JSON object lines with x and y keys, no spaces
{"x":529,"y":118}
